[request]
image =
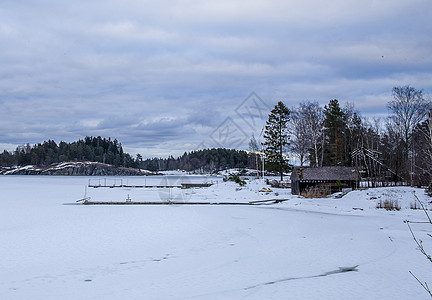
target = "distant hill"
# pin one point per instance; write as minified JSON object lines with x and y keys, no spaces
{"x":94,"y":149}
{"x":43,"y":157}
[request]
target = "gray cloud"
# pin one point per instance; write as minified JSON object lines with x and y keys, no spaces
{"x":161,"y":77}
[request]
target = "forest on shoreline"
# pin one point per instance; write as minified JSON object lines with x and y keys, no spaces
{"x":108,"y":151}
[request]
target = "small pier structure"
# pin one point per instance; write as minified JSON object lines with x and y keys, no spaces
{"x":119,"y":183}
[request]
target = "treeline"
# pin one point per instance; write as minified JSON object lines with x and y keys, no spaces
{"x":97,"y":149}
{"x":94,"y":149}
{"x":207,"y":160}
{"x":395,"y":149}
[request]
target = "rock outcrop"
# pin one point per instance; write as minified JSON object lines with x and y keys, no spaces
{"x":76,"y":169}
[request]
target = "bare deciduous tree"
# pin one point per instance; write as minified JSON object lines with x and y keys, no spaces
{"x":315,"y":119}
{"x":408,"y":109}
{"x":301,"y":142}
{"x":307,"y":130}
{"x":254,"y":148}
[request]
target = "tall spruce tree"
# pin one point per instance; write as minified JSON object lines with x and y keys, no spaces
{"x":276,"y":138}
{"x":336,"y":152}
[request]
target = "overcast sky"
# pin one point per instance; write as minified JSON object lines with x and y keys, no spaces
{"x":164,"y":77}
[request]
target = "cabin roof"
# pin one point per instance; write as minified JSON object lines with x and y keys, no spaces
{"x":324,"y":173}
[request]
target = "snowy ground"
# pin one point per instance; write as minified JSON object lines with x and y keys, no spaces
{"x":54,"y":249}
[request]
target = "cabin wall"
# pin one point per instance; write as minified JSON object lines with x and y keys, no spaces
{"x":295,"y":187}
{"x":298,"y":187}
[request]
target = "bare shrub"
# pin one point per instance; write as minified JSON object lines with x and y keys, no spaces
{"x":415,"y":205}
{"x":388,"y":204}
{"x":316,"y":192}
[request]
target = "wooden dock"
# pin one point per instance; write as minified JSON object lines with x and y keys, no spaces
{"x":182,"y":186}
{"x":195,"y":185}
{"x":167,"y":203}
{"x":259,"y":202}
{"x":134,"y":186}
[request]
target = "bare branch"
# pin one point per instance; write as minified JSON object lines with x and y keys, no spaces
{"x":424,"y":285}
{"x":423,"y":207}
{"x":419,"y":243}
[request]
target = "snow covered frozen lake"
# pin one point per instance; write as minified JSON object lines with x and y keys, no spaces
{"x":299,"y":249}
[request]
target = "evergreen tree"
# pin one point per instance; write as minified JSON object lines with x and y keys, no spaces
{"x":336,"y":152}
{"x":276,"y":138}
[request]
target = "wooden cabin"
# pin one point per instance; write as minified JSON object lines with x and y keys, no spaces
{"x":333,"y":179}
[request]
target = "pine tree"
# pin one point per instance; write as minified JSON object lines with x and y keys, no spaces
{"x":336,"y":151}
{"x":276,"y":138}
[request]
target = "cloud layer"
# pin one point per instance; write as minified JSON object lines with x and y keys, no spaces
{"x":163,"y":77}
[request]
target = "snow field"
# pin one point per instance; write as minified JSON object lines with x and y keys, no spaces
{"x":292,"y":250}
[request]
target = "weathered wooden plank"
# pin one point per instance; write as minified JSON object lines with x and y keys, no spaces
{"x":167,"y":203}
